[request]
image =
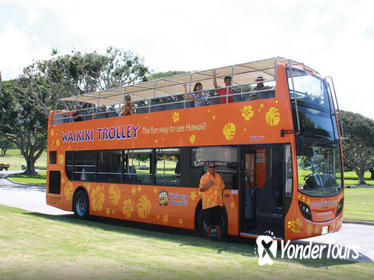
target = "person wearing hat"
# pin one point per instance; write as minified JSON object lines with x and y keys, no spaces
{"x":223,"y":91}
{"x":260,"y":85}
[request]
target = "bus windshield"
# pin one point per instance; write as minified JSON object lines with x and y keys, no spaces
{"x":319,"y":171}
{"x":308,"y":89}
{"x":314,"y":105}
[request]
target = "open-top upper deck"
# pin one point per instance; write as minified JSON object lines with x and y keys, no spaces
{"x":168,"y":93}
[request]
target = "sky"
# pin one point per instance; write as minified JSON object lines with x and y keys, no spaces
{"x":336,"y":38}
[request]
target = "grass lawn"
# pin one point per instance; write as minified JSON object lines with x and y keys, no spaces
{"x":27,"y":179}
{"x":359,"y":204}
{"x":37,"y":246}
{"x":350,"y":178}
{"x":16,"y":160}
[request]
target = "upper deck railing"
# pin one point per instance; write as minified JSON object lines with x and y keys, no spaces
{"x":168,"y":93}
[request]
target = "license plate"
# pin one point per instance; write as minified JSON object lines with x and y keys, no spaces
{"x":325,"y":229}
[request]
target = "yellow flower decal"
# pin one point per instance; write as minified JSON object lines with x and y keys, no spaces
{"x":229,"y":130}
{"x":232,"y":204}
{"x":176,"y":117}
{"x":193,"y":138}
{"x":316,"y":230}
{"x":69,"y":191}
{"x":247,"y":112}
{"x":309,"y":228}
{"x":109,"y":211}
{"x":128,"y":208}
{"x":214,"y":117}
{"x":272,"y":116}
{"x":193,"y":195}
{"x":98,"y":198}
{"x":61,"y":159}
{"x":295,"y":225}
{"x":133,"y":190}
{"x":165,"y":219}
{"x":52,"y":132}
{"x":180,"y":221}
{"x":114,"y":194}
{"x":58,"y":143}
{"x":144,"y":207}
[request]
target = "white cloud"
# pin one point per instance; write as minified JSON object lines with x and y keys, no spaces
{"x":334,"y":37}
{"x":18,"y":50}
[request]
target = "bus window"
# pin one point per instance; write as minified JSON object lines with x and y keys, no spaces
{"x":168,"y":167}
{"x":80,"y":165}
{"x":109,"y":166}
{"x":226,"y":159}
{"x":138,"y":166}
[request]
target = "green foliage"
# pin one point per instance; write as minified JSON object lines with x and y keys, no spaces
{"x":159,"y":75}
{"x":26,"y":101}
{"x":23,"y":121}
{"x":5,"y":144}
{"x":358,"y":143}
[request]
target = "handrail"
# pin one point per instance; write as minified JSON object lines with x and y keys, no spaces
{"x":294,"y":96}
{"x":337,"y":104}
{"x":91,"y":112}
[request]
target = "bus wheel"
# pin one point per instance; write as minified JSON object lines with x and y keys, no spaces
{"x":81,"y":204}
{"x":201,"y":227}
{"x":224,"y":225}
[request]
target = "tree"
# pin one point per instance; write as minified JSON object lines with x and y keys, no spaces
{"x":23,"y":122}
{"x":26,"y":101}
{"x":159,"y":75}
{"x":358,"y":143}
{"x":4,"y":145}
{"x":371,"y":169}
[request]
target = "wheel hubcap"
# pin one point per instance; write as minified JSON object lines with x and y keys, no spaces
{"x":81,"y":206}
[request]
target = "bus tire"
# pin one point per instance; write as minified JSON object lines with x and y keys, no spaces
{"x":81,"y":205}
{"x":201,"y":227}
{"x":223,"y":223}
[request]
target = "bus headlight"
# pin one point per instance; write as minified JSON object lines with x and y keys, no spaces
{"x":305,"y":210}
{"x":339,"y":208}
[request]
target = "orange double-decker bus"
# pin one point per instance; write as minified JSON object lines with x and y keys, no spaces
{"x":275,"y":139}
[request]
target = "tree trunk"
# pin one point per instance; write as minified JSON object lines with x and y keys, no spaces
{"x":361,"y":180}
{"x":372,"y":173}
{"x":30,"y":168}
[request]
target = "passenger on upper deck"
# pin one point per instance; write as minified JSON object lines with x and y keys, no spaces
{"x":102,"y":113}
{"x":223,"y":91}
{"x":77,"y":116}
{"x":260,"y":86}
{"x":128,"y":108}
{"x":199,"y":97}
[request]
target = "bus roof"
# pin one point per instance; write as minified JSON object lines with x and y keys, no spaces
{"x":169,"y":86}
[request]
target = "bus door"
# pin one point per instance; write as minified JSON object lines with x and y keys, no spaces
{"x":248,"y":189}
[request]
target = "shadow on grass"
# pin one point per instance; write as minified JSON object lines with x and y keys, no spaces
{"x":236,"y":245}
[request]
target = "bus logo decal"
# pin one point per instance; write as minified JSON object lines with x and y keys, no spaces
{"x":83,"y":135}
{"x":163,"y":198}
